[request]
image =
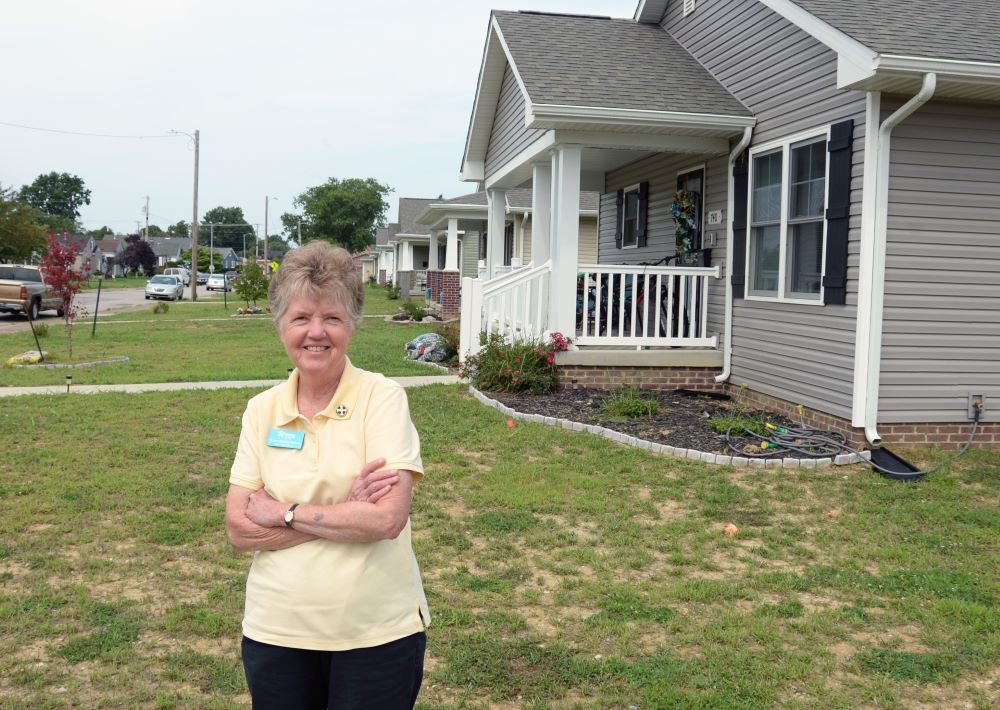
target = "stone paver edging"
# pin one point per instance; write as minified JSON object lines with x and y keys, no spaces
{"x":664,"y":449}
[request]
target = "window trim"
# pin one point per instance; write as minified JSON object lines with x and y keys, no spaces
{"x":785,"y":146}
{"x":625,"y":191}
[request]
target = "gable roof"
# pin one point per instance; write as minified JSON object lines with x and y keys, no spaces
{"x":596,"y":73}
{"x":409,"y":209}
{"x":569,"y":60}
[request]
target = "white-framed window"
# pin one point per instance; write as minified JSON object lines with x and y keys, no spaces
{"x":788,"y":198}
{"x":630,"y":217}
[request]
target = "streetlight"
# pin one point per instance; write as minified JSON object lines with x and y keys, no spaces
{"x":194,"y":219}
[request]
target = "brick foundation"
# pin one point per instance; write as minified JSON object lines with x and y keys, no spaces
{"x":449,"y":293}
{"x":381,"y":276}
{"x":944,"y":435}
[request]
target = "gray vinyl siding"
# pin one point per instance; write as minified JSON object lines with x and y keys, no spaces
{"x":470,"y":248}
{"x":941,"y":321}
{"x":800,"y":353}
{"x":587,"y":244}
{"x":509,"y":135}
{"x":661,"y":172}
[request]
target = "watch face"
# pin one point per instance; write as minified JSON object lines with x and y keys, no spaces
{"x":289,"y":515}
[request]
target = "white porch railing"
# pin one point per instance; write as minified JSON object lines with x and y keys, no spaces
{"x":514,"y":305}
{"x":644,"y":306}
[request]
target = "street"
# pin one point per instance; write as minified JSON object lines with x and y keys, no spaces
{"x":113,"y":300}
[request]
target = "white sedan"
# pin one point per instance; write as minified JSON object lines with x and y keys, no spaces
{"x":170,"y":288}
{"x":217,"y":282}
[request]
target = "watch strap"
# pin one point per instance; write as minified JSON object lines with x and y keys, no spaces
{"x":290,"y":515}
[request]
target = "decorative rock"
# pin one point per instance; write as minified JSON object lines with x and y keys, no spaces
{"x":429,"y":347}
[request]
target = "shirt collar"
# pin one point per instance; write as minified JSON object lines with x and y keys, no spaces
{"x":341,"y":406}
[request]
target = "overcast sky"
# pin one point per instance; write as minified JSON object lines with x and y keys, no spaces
{"x":286,"y":94}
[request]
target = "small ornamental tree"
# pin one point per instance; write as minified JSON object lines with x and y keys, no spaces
{"x":251,"y":284}
{"x":60,"y":272}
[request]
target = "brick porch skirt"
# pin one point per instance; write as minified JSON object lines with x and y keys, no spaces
{"x":940,"y":434}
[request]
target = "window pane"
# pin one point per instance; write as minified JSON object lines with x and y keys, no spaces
{"x":767,"y":188}
{"x":764,"y":254}
{"x":808,"y":180}
{"x":805,"y":258}
{"x":631,"y":205}
{"x":629,"y":238}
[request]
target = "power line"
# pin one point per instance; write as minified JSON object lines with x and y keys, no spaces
{"x":84,"y":133}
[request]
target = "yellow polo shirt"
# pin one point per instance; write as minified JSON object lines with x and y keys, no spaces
{"x":325,"y":595}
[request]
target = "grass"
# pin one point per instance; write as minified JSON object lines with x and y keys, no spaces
{"x":198,"y":341}
{"x":628,"y":403}
{"x":562,"y":571}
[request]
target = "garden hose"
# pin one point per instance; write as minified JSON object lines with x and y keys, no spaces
{"x":818,"y":443}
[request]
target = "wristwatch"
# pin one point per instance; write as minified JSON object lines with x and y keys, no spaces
{"x":290,"y":515}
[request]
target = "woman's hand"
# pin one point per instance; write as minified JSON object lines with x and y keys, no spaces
{"x":371,"y":484}
{"x":264,"y":510}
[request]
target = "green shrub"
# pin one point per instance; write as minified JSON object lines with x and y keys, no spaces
{"x":41,"y":330}
{"x":526,"y":365}
{"x":450,"y":332}
{"x":391,"y":290}
{"x":251,"y":285}
{"x":627,"y":402}
{"x":737,"y":423}
{"x":161,"y":307}
{"x":414,"y":311}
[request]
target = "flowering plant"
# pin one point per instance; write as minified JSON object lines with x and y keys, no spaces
{"x":684,"y":210}
{"x":521,"y":365}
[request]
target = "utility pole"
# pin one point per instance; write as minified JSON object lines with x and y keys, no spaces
{"x":146,"y":238}
{"x":194,"y":219}
{"x":267,"y":268}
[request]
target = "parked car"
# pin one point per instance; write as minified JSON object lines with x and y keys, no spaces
{"x":202,"y":278}
{"x":217,"y":282}
{"x":23,"y":291}
{"x":170,"y":288}
{"x":180,"y":272}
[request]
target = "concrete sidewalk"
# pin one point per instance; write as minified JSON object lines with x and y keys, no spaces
{"x":417,"y":381}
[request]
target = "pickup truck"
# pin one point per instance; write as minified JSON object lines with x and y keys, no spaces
{"x":23,"y":291}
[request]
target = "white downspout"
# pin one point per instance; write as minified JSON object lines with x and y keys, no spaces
{"x":727,"y":348}
{"x":877,"y":285}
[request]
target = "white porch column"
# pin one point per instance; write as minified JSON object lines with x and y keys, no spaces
{"x":451,"y":251}
{"x":566,"y":242}
{"x":541,"y":213}
{"x":432,"y":251}
{"x":406,"y":256}
{"x":517,"y":255}
{"x":496,"y":220}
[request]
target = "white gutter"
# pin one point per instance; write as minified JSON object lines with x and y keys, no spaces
{"x":877,"y":285}
{"x":727,"y":349}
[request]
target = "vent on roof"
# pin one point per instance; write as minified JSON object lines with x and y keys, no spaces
{"x":688,"y":7}
{"x":564,"y":14}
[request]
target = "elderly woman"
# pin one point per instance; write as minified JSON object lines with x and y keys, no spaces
{"x":335,"y":610}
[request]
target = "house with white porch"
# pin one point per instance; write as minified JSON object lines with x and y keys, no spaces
{"x":385,"y":254}
{"x":458,"y":231}
{"x":410,"y":243}
{"x":798,"y":204}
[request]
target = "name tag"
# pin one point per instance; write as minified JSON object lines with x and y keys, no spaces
{"x":285,"y":439}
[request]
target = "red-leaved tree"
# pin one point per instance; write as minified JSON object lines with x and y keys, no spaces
{"x":60,"y":272}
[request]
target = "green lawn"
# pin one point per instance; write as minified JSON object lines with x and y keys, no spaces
{"x":563,"y":571}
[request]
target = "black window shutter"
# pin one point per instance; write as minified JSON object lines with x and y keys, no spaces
{"x":643,"y":205}
{"x":838,"y":212}
{"x":620,"y":202}
{"x":741,"y":172}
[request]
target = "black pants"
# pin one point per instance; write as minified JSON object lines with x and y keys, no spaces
{"x":385,"y":677}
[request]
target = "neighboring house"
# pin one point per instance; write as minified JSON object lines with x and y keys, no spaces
{"x":385,"y":254}
{"x":460,"y":223}
{"x":169,"y":249}
{"x":411,"y":247}
{"x":228,"y":256}
{"x":86,"y":248}
{"x":110,"y":252}
{"x":838,"y":165}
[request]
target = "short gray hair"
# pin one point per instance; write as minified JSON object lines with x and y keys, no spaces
{"x":322,"y":271}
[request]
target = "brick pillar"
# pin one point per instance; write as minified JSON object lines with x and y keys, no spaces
{"x":451,"y":285}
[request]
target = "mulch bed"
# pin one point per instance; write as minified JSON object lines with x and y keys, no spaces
{"x":683,"y":420}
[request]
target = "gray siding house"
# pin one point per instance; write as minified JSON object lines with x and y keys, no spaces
{"x":799,"y":201}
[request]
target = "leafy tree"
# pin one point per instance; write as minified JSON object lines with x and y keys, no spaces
{"x":155,"y":231}
{"x":60,"y":272}
{"x":224,"y":236}
{"x":20,"y":235}
{"x":203,"y":260}
{"x":344,"y":212}
{"x":100,"y":232}
{"x":57,"y":194}
{"x":251,"y":284}
{"x":138,"y":255}
{"x":181,"y":229}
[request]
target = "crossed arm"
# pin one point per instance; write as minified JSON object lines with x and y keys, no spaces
{"x":376,"y":509}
